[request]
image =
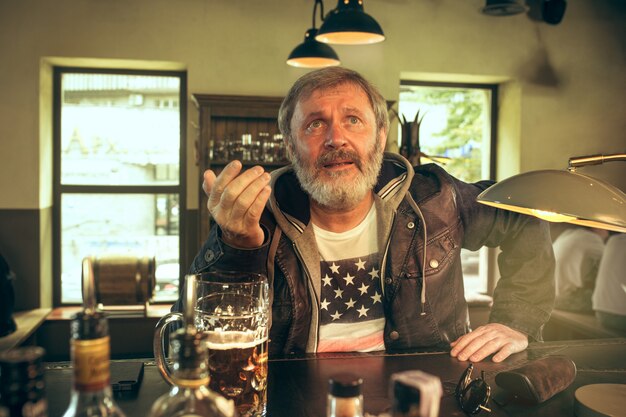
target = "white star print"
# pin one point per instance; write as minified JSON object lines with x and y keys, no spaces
{"x":349,"y":279}
{"x":350,"y":303}
{"x":363,"y":289}
{"x":338,"y":293}
{"x":374,"y":273}
{"x":335,"y":268}
{"x":324,"y":305}
{"x":336,"y":316}
{"x":363,"y":311}
{"x":327,"y":280}
{"x":360,"y":265}
{"x":376,"y":297}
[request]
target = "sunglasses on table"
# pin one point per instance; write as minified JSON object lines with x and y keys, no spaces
{"x":473,"y":395}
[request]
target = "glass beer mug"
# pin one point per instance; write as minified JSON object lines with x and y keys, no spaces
{"x":232,"y":309}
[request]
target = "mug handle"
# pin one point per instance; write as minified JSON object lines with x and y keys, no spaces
{"x":158,"y":344}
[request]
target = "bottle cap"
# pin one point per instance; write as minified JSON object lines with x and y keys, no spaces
{"x":345,"y":385}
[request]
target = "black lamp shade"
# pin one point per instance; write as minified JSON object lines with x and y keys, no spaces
{"x":348,"y":24}
{"x":312,"y":54}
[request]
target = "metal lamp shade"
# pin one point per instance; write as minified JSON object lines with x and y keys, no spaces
{"x":312,"y":54}
{"x":561,"y":196}
{"x":348,"y":24}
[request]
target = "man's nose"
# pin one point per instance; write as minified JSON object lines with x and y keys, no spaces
{"x":335,"y":136}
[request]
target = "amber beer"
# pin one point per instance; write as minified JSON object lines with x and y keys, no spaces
{"x":238,"y":370}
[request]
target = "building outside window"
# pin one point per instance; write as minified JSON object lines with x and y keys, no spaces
{"x":119,"y":172}
{"x":457,"y":131}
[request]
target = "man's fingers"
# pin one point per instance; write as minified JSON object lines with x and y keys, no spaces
{"x":241,"y":201}
{"x":208,"y":180}
{"x":228,"y":174}
{"x":489,"y":339}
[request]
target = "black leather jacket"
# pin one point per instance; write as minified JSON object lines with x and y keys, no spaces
{"x":406,"y":199}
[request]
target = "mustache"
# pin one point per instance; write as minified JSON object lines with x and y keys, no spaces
{"x":339,"y":155}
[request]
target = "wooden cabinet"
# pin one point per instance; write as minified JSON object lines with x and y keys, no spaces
{"x":236,"y":127}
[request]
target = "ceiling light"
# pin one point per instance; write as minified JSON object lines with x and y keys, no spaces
{"x":348,"y":24}
{"x":311,"y":53}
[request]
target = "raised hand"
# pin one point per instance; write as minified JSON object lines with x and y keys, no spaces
{"x":485,"y":340}
{"x":236,"y":201}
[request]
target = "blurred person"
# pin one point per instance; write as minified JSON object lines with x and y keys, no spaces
{"x":346,"y":231}
{"x":577,"y":251}
{"x":609,"y":295}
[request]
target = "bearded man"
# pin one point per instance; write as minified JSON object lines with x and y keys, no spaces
{"x":362,"y":250}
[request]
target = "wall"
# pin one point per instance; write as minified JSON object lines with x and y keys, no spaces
{"x":568,"y":80}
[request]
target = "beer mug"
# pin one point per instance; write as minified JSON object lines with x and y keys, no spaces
{"x":232,"y":309}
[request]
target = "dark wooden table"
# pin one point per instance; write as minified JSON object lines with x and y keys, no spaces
{"x":298,"y":385}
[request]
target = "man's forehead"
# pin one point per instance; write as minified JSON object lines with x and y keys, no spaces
{"x":333,"y":90}
{"x":348,"y":90}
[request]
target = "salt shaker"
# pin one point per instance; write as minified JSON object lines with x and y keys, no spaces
{"x":344,"y":396}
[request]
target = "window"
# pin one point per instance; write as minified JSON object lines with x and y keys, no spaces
{"x":118,"y":172}
{"x":457,"y":131}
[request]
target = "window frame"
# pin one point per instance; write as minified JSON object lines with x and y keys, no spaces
{"x":491,"y":264}
{"x":58,"y":189}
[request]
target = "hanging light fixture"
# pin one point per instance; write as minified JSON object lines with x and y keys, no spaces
{"x":563,"y":196}
{"x":311,"y":53}
{"x":348,"y":24}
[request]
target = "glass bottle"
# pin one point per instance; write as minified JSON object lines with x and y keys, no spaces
{"x":189,"y":396}
{"x":90,"y":354}
{"x":22,"y":385}
{"x":344,"y":396}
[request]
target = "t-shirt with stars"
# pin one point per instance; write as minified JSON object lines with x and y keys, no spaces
{"x":351,"y":309}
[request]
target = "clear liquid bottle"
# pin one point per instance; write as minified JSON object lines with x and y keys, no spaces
{"x":344,"y":396}
{"x":91,"y":354}
{"x":22,"y":385}
{"x":189,"y":396}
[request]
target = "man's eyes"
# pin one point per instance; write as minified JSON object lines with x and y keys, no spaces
{"x":353,"y":120}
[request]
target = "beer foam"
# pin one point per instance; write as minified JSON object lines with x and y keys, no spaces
{"x":232,"y":340}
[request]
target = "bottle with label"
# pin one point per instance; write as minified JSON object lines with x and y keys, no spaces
{"x":22,"y":386}
{"x":344,"y":396}
{"x":90,"y":354}
{"x":189,"y":396}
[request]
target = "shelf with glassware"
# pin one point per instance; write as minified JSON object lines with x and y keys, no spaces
{"x":236,"y":127}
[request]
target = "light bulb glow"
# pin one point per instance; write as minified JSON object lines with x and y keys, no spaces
{"x":551,"y":216}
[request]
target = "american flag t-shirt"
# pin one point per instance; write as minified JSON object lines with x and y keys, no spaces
{"x":351,"y":309}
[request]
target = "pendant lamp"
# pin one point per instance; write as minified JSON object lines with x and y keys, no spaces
{"x":311,"y":53}
{"x":348,"y":24}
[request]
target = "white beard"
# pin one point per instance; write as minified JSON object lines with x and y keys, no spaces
{"x":335,"y":192}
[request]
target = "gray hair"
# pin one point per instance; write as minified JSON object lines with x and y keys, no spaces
{"x":327,"y":78}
